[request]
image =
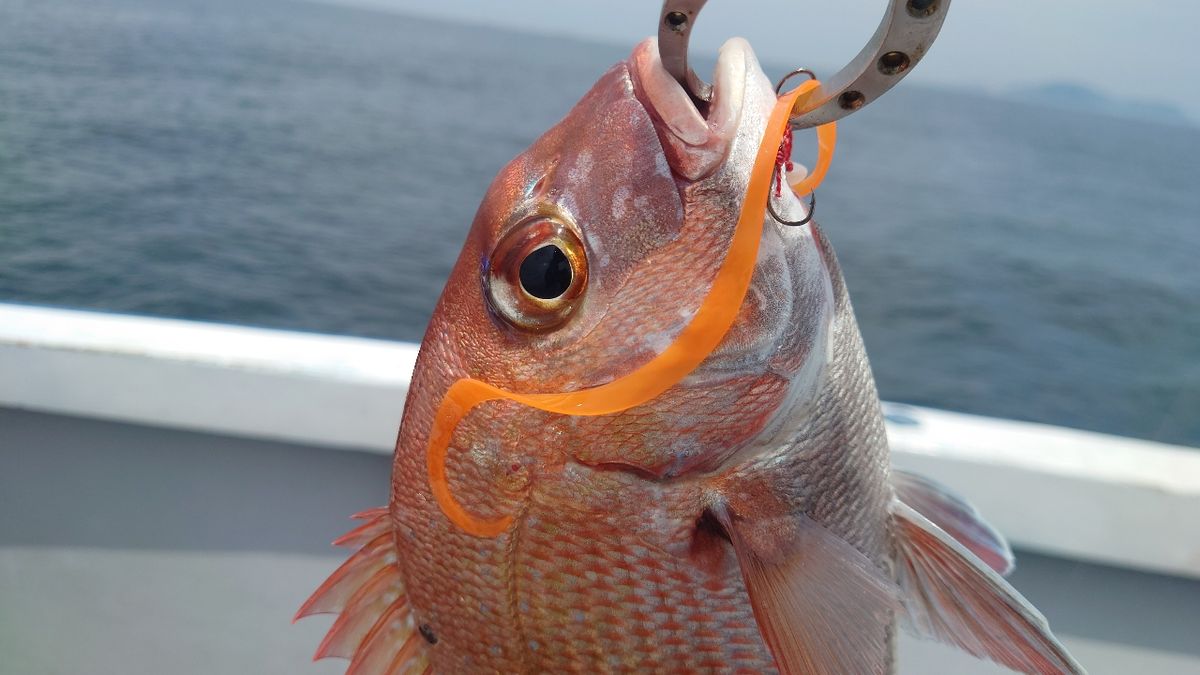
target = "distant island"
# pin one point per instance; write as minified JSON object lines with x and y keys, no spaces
{"x":1078,"y":97}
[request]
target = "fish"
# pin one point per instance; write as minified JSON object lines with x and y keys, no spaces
{"x":743,"y":517}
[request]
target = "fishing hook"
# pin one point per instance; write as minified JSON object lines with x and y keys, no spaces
{"x":812,"y":206}
{"x":904,"y":36}
{"x":812,"y":196}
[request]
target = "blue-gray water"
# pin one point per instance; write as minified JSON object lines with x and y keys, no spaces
{"x":315,"y":167}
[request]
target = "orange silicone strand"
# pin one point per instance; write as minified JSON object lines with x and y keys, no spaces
{"x":826,"y":141}
{"x":695,"y":342}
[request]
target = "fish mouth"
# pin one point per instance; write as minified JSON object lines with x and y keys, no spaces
{"x":695,"y":135}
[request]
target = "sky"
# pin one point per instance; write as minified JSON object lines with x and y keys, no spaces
{"x":1144,"y":50}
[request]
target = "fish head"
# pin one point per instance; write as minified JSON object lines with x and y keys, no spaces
{"x":594,"y":249}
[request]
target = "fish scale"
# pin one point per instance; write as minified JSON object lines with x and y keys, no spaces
{"x":629,"y":599}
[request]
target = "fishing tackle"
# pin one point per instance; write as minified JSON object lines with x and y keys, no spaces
{"x":783,"y":160}
{"x":904,"y":35}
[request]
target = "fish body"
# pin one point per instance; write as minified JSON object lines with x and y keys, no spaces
{"x":744,"y":520}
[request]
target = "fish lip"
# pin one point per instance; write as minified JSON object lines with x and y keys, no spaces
{"x":696,"y":140}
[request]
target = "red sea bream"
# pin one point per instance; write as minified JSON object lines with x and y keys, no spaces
{"x":745,"y":519}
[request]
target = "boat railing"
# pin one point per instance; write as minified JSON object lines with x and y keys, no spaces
{"x":1065,"y":492}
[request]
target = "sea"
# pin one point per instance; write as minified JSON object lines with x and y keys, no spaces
{"x":315,"y":167}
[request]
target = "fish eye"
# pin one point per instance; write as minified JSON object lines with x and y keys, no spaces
{"x":546,"y":273}
{"x":537,"y":274}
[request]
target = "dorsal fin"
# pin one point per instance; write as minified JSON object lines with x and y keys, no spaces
{"x":374,"y":628}
{"x":951,"y":596}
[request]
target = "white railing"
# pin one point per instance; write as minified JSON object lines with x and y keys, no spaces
{"x":279,"y":385}
{"x":1060,"y":491}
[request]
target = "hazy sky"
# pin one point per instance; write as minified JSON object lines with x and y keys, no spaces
{"x":1140,"y":49}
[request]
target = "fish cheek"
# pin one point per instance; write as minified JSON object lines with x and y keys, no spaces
{"x":686,"y":429}
{"x":496,"y":453}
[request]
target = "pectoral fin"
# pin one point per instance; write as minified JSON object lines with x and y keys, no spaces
{"x":375,"y":626}
{"x":957,"y":517}
{"x":951,"y":596}
{"x":822,"y":606}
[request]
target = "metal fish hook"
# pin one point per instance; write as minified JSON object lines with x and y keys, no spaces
{"x":812,"y":196}
{"x":904,"y":36}
{"x":812,"y":207}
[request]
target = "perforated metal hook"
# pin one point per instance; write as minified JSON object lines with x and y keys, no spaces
{"x":904,"y":36}
{"x":674,"y":32}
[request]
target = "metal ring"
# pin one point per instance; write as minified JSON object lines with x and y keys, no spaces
{"x":904,"y":35}
{"x":812,"y":207}
{"x":799,"y":71}
{"x":674,"y":31}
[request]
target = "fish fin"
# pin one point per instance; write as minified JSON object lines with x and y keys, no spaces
{"x":333,"y":595}
{"x":822,"y":606}
{"x":363,"y":534}
{"x":370,"y":514}
{"x":956,"y":516}
{"x":369,"y":602}
{"x":953,"y":597}
{"x":392,"y":645}
{"x":374,"y":627}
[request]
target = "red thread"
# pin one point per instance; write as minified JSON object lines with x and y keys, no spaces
{"x":783,"y":161}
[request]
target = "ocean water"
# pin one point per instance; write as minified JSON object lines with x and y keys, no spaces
{"x":315,"y":167}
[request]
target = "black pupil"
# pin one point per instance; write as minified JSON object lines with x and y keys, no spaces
{"x":546,"y":273}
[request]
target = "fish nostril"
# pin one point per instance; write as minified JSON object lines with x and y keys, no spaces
{"x":427,"y":633}
{"x":537,"y":187}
